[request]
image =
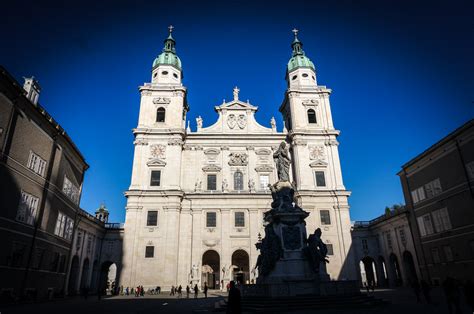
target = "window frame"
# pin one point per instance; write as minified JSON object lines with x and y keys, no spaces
{"x":208,"y":187}
{"x":160,"y":111}
{"x":311,"y":113}
{"x":237,"y":186}
{"x":148,"y":253}
{"x":322,"y":217}
{"x":209,"y":219}
{"x":151,"y":178}
{"x":155,"y":218}
{"x":240,"y":219}
{"x":316,"y":178}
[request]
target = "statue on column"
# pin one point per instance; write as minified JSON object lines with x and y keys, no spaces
{"x":282,"y":162}
{"x":317,"y":251}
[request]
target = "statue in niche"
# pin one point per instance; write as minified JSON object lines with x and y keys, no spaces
{"x":225,"y":185}
{"x":282,"y":162}
{"x":316,"y":250}
{"x":251,"y":185}
{"x":270,"y":251}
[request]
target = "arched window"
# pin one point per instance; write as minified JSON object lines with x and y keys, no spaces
{"x":238,"y":181}
{"x":311,"y":116}
{"x":160,"y":114}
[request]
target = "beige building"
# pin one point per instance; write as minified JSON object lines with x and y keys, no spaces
{"x":438,"y":186}
{"x":196,"y":199}
{"x":384,"y":251}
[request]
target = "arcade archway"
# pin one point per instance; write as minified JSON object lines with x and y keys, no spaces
{"x":395,"y":270}
{"x":370,"y":271}
{"x":410,"y":270}
{"x":211,"y":269}
{"x":241,"y":269}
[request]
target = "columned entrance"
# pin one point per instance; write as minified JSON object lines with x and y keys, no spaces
{"x":240,"y":262}
{"x":211,"y":269}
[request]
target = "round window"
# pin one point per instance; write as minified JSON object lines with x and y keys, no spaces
{"x":175,"y":75}
{"x":313,"y":78}
{"x":305,"y":75}
{"x":154,"y":75}
{"x":294,"y":77}
{"x":164,"y":72}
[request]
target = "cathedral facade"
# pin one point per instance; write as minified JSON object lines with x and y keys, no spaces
{"x":196,"y":199}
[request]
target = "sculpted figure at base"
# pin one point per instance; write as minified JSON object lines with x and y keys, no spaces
{"x":270,"y":251}
{"x":316,"y":250}
{"x":282,"y":162}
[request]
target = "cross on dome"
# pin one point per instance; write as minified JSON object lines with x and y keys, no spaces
{"x":295,"y":31}
{"x":236,"y":93}
{"x":170,"y":28}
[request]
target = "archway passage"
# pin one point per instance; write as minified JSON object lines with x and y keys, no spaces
{"x":107,"y":280}
{"x":85,"y":275}
{"x":241,"y":271}
{"x":73,"y":275}
{"x":383,"y":279}
{"x":395,"y":270}
{"x":410,"y":270}
{"x":370,"y":271}
{"x":211,"y":269}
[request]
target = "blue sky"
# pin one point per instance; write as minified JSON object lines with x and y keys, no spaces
{"x":401,"y":74}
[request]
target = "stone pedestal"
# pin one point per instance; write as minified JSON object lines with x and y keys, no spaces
{"x":284,"y":264}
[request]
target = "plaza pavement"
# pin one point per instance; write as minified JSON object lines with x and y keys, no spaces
{"x":401,"y":301}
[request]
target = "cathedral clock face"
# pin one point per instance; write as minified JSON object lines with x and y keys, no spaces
{"x":158,"y":151}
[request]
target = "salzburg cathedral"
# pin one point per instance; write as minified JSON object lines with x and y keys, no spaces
{"x":196,"y":202}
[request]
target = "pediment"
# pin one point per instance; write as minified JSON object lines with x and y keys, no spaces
{"x":263,"y":151}
{"x":211,"y":151}
{"x":264,"y":168}
{"x":156,"y":162}
{"x":318,"y":163}
{"x":209,"y":168}
{"x":236,"y":105}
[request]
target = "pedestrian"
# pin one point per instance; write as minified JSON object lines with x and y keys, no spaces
{"x":158,"y":289}
{"x":180,"y":291}
{"x":205,"y":289}
{"x":234,"y":300}
{"x":452,"y":295}
{"x":222,"y":285}
{"x":196,"y":290}
{"x":469,"y":294}
{"x":425,"y":288}
{"x":416,"y":288}
{"x":126,"y":291}
{"x":228,"y":286}
{"x":172,"y":290}
{"x":187,"y":291}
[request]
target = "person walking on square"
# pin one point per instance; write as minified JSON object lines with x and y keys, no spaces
{"x":234,"y":300}
{"x":425,"y":288}
{"x":196,"y":290}
{"x":172,"y":290}
{"x":469,"y":294}
{"x":416,"y":288}
{"x":142,"y":291}
{"x":205,"y":289}
{"x":180,"y":291}
{"x":188,"y":290}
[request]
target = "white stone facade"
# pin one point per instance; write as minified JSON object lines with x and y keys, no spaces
{"x":224,"y":169}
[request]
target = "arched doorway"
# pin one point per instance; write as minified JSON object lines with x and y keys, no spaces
{"x":73,"y":275}
{"x":94,"y":277}
{"x":395,"y":269}
{"x":383,"y":279}
{"x":210,"y":269}
{"x":85,"y":274}
{"x":241,"y":271}
{"x":410,"y":270}
{"x":107,"y":280}
{"x":370,"y":271}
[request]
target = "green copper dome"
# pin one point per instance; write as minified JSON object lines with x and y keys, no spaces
{"x":168,"y":56}
{"x":298,"y":58}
